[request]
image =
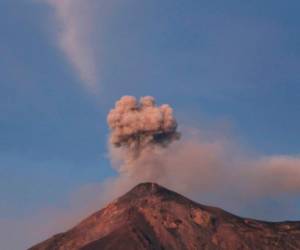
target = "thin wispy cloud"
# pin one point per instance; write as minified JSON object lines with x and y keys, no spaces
{"x":75,"y":26}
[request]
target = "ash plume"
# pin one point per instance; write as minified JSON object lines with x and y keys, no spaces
{"x":139,"y":128}
{"x":202,"y":165}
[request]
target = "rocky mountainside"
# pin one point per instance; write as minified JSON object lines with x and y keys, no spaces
{"x":153,"y":217}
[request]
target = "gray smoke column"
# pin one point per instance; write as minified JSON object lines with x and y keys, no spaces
{"x":203,"y":165}
{"x":139,"y":127}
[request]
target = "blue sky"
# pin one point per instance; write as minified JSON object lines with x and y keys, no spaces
{"x":231,"y":63}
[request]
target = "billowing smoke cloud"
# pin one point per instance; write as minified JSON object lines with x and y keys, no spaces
{"x":140,"y":128}
{"x":75,"y":26}
{"x":209,"y":169}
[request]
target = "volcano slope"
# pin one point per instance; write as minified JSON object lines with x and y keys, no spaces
{"x":153,"y":217}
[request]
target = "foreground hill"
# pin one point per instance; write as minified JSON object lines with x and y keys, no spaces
{"x":153,"y":217}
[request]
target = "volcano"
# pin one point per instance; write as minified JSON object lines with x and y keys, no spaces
{"x":151,"y":217}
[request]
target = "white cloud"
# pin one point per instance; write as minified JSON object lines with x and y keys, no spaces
{"x":75,"y":25}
